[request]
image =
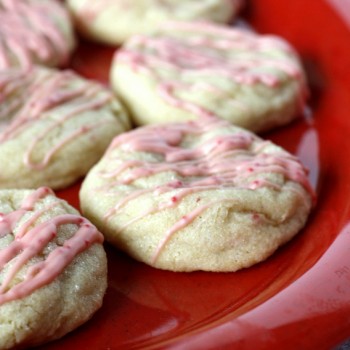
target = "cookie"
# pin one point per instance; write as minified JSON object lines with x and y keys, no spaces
{"x":53,"y":273}
{"x":54,"y":125}
{"x":33,"y":31}
{"x":197,"y":196}
{"x":114,"y":21}
{"x":188,"y":71}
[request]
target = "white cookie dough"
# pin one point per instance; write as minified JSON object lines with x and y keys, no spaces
{"x":53,"y":268}
{"x":34,"y":31}
{"x":114,"y":21}
{"x":54,"y":125}
{"x":187,"y":71}
{"x":197,"y":196}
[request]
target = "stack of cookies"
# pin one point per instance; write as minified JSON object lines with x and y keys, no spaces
{"x":190,"y":187}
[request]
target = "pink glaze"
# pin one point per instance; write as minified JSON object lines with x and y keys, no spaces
{"x":8,"y":223}
{"x":29,"y":202}
{"x":27,"y":32}
{"x":30,"y":242}
{"x":47,"y":91}
{"x":224,"y":161}
{"x":205,"y":52}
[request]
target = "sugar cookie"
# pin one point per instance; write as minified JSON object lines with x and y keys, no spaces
{"x":54,"y":125}
{"x":197,"y":196}
{"x":33,"y":31}
{"x":114,"y":21}
{"x":53,"y":268}
{"x":186,"y":71}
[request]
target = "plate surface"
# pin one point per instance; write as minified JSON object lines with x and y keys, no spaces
{"x":300,"y":297}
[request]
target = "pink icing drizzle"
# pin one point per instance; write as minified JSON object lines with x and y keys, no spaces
{"x":48,"y":91}
{"x":26,"y":31}
{"x":227,"y":160}
{"x":183,"y":222}
{"x":200,"y":54}
{"x":31,"y":241}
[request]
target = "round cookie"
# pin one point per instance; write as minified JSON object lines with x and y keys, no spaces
{"x":33,"y":31}
{"x":197,"y":196}
{"x":53,"y":268}
{"x":54,"y":125}
{"x":187,"y":71}
{"x":114,"y":21}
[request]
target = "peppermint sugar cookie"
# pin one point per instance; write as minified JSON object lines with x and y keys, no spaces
{"x":34,"y":31}
{"x":54,"y":125}
{"x":197,"y":196}
{"x":187,"y":71}
{"x":53,"y":273}
{"x":114,"y":21}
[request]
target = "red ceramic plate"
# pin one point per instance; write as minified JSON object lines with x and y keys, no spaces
{"x":300,"y":297}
